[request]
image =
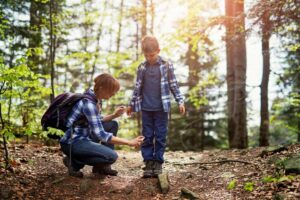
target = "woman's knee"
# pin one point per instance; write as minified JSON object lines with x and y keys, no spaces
{"x":111,"y":126}
{"x":113,"y":156}
{"x":115,"y":127}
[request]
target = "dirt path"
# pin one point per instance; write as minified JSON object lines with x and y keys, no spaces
{"x":40,"y":174}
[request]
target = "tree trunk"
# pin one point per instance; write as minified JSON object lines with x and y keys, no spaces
{"x":240,"y":63}
{"x":298,"y":130}
{"x":137,"y":41}
{"x":35,"y":39}
{"x":25,"y":121}
{"x":152,"y":13}
{"x":236,"y":61}
{"x":264,"y":111}
{"x":298,"y":95}
{"x":230,"y":70}
{"x":202,"y":128}
{"x":6,"y":156}
{"x":144,"y":18}
{"x":51,"y":60}
{"x":120,"y":25}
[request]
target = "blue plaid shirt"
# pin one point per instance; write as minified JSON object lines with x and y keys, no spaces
{"x":94,"y":131}
{"x":168,"y":83}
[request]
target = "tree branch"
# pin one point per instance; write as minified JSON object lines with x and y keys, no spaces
{"x":214,"y":162}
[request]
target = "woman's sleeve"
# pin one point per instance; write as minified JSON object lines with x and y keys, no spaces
{"x":91,"y":113}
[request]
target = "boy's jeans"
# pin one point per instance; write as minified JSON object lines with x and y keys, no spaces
{"x":155,"y":128}
{"x":86,"y":152}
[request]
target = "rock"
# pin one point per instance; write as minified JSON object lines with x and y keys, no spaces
{"x":164,"y":182}
{"x":85,"y":185}
{"x":6,"y":193}
{"x":189,"y":176}
{"x":128,"y":189}
{"x":121,"y":187}
{"x":279,"y":196}
{"x":24,"y":182}
{"x":185,"y":193}
{"x":271,"y":150}
{"x":292,"y":165}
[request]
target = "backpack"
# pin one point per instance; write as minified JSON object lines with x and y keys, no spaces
{"x":57,"y":113}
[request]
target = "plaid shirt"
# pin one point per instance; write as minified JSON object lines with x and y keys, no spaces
{"x":95,"y":132}
{"x":168,"y":83}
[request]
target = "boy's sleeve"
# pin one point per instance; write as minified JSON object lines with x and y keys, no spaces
{"x":174,"y":87}
{"x":137,"y":86}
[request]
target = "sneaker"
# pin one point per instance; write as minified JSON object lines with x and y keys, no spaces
{"x":148,"y":170}
{"x":104,"y":169}
{"x":71,"y":170}
{"x":157,"y":168}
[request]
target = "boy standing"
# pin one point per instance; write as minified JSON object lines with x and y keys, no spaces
{"x":151,"y":95}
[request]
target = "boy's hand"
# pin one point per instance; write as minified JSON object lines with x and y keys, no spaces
{"x":120,"y":111}
{"x":182,"y":109}
{"x":129,"y":110}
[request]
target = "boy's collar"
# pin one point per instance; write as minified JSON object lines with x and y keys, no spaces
{"x":159,"y":61}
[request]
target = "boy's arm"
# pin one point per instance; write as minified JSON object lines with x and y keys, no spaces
{"x":138,"y":83}
{"x":174,"y":87}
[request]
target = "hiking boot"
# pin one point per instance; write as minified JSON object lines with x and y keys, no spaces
{"x":157,"y":168}
{"x":71,"y":170}
{"x":104,"y":169}
{"x":148,"y":170}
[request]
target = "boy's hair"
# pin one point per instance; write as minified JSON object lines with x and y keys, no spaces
{"x":149,"y":44}
{"x":106,"y":83}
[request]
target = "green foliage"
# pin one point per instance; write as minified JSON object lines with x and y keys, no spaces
{"x":52,"y":131}
{"x":268,"y":179}
{"x":284,"y":119}
{"x":3,"y":25}
{"x":277,"y":179}
{"x":232,"y":184}
{"x":198,"y":95}
{"x":8,"y":133}
{"x":249,"y":186}
{"x":21,"y":91}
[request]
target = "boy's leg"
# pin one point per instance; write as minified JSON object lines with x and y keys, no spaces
{"x":112,"y":127}
{"x":161,"y":130}
{"x":147,"y":147}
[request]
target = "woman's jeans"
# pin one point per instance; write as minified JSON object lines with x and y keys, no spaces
{"x":155,"y":128}
{"x":85,"y":152}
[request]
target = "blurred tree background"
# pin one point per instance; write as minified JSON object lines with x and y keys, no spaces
{"x":52,"y":46}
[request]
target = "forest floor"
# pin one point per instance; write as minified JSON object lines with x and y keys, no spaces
{"x":38,"y":173}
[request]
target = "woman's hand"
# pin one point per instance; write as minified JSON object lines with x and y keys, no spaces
{"x":182,"y":109}
{"x":137,"y":142}
{"x":119,"y":111}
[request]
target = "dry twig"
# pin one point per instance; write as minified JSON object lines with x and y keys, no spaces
{"x":214,"y":162}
